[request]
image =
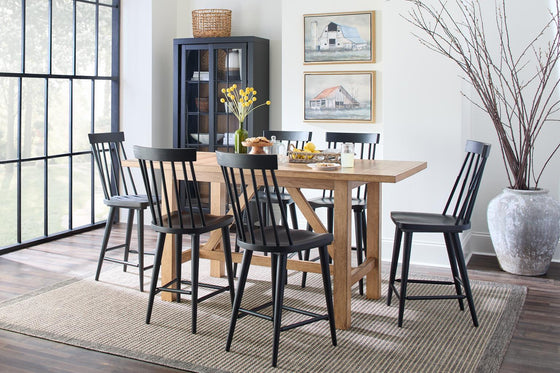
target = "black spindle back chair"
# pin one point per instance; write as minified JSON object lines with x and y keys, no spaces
{"x":365,"y":146}
{"x":168,"y":168}
{"x":120,"y":191}
{"x":244,"y":174}
{"x":296,"y":138}
{"x":107,"y":151}
{"x":454,"y":220}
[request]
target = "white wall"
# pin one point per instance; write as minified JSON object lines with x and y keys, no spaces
{"x":421,"y":115}
{"x":164,"y":26}
{"x":420,"y":111}
{"x":248,"y":18}
{"x":136,"y":71}
{"x":527,"y":21}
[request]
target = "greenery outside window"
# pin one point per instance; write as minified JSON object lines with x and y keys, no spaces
{"x":58,"y":82}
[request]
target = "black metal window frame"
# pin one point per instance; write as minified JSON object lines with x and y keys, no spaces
{"x":19,"y":160}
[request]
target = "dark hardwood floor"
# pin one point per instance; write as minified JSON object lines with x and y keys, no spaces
{"x":535,"y":346}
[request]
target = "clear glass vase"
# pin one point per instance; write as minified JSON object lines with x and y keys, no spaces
{"x":240,"y":135}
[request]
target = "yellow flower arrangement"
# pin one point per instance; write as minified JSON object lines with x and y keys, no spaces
{"x":240,"y":101}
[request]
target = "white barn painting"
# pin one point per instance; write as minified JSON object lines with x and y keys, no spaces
{"x":339,"y":37}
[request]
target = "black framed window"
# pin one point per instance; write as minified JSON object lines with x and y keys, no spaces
{"x":59,"y":81}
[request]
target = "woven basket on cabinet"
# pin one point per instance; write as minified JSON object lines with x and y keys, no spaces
{"x":209,"y":23}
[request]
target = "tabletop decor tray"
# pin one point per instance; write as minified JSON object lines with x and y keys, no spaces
{"x":300,"y":156}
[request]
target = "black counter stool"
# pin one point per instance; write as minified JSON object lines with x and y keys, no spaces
{"x":450,"y":223}
{"x":175,"y":166}
{"x":120,"y":193}
{"x":243,"y":174}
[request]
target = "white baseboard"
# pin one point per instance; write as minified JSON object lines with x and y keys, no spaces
{"x":424,"y":252}
{"x":481,"y":243}
{"x":433,"y":252}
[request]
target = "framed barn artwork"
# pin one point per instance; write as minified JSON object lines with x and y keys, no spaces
{"x":339,"y":96}
{"x":339,"y":37}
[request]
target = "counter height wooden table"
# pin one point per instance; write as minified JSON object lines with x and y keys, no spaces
{"x":294,"y":177}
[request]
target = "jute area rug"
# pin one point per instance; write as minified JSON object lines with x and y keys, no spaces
{"x":108,"y":316}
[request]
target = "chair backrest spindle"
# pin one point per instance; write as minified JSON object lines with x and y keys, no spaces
{"x":171,"y":168}
{"x":108,"y":153}
{"x":466,"y":185}
{"x":244,"y":171}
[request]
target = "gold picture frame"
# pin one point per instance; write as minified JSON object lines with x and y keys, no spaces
{"x":339,"y":96}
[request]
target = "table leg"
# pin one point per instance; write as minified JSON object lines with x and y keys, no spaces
{"x":342,"y":246}
{"x":167,"y":268}
{"x":217,"y":207}
{"x":373,"y":278}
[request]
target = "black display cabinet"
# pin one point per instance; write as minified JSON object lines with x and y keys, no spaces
{"x":202,"y":67}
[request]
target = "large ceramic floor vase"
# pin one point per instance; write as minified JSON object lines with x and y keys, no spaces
{"x":525,"y":227}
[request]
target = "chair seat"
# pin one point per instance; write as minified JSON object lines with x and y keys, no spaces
{"x":212,"y":222}
{"x":284,"y":197}
{"x":426,"y":222}
{"x":328,"y":202}
{"x":302,"y":240}
{"x":131,"y":201}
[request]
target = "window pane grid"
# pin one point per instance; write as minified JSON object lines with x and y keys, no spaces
{"x":61,"y":77}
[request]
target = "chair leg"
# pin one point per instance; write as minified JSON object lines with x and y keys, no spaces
{"x":330,"y":219}
{"x":155,"y":274}
{"x":394,"y":263}
{"x":293,"y":216}
{"x":306,"y":254}
{"x":105,"y":242}
{"x":264,"y":213}
{"x":245,"y":263}
{"x":284,"y":207}
{"x":364,"y":234}
{"x":453,"y":265}
{"x":295,"y":225}
{"x":195,"y":255}
{"x":226,"y":243}
{"x":364,"y":230}
{"x":464,"y":275}
{"x":404,"y":276}
{"x":278,"y":302}
{"x":178,"y":263}
{"x":359,"y":252}
{"x":273,"y":274}
{"x":325,"y":271}
{"x":140,"y":231}
{"x":128,"y":236}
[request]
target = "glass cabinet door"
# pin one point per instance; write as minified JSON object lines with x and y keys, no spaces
{"x":195,"y":122}
{"x":231,"y":69}
{"x":206,"y":123}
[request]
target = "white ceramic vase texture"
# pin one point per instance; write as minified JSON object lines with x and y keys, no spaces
{"x":524,"y":226}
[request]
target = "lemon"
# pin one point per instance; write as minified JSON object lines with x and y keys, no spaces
{"x":309,"y":147}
